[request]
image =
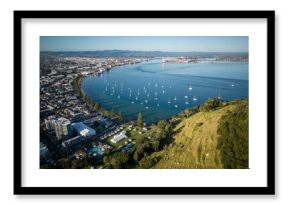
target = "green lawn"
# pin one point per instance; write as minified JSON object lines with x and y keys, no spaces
{"x":131,"y":134}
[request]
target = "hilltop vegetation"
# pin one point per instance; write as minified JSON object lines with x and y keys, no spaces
{"x":211,"y":136}
{"x":152,"y":141}
{"x":214,"y":135}
{"x":233,"y":142}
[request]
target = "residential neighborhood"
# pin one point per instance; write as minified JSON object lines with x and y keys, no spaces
{"x":69,"y":127}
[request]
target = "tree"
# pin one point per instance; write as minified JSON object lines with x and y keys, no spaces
{"x":162,"y":124}
{"x":146,"y":163}
{"x":140,"y":120}
{"x":212,"y":104}
{"x":187,"y":112}
{"x":112,"y":113}
{"x":233,"y":141}
{"x":155,"y":144}
{"x":63,"y":164}
{"x":97,"y":106}
{"x":106,"y":160}
{"x":138,"y":154}
{"x":119,"y":160}
{"x":121,"y":117}
{"x":160,"y":134}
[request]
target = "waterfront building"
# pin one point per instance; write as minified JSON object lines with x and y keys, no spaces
{"x":119,"y":137}
{"x":83,"y":130}
{"x":63,"y":128}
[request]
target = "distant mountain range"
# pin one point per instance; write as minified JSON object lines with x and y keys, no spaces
{"x":142,"y":54}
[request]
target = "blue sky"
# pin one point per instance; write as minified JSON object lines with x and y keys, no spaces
{"x":145,"y":43}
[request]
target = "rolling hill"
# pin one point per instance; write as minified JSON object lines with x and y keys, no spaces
{"x":213,"y":138}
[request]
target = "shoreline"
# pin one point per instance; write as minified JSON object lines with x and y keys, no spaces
{"x":78,"y":90}
{"x":115,"y":113}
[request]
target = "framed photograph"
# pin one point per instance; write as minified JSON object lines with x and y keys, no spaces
{"x":144,"y":102}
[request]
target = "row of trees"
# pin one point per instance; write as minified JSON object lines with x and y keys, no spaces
{"x":159,"y":137}
{"x":140,"y":120}
{"x":138,"y":157}
{"x":77,"y":84}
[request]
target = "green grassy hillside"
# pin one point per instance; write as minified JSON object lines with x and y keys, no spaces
{"x":204,"y":139}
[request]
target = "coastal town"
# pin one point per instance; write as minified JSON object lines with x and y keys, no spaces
{"x":75,"y":129}
{"x":69,"y":127}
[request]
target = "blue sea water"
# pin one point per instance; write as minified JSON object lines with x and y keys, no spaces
{"x":159,"y":90}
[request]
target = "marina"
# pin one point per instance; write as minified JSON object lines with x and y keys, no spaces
{"x":160,"y":91}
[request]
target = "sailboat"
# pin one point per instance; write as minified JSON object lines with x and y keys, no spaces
{"x":175,"y":99}
{"x":169,"y":101}
{"x":190,"y":87}
{"x":219,"y":96}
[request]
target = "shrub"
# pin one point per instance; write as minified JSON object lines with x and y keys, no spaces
{"x":233,"y":140}
{"x":211,"y":104}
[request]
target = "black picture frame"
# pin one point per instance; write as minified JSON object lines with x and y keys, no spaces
{"x":268,"y":190}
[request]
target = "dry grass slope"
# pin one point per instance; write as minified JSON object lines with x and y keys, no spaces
{"x":194,"y":146}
